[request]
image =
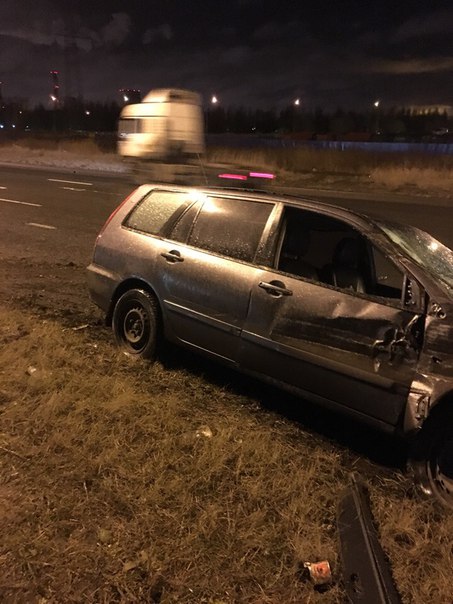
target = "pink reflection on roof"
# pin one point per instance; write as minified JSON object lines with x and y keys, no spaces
{"x":261,"y":175}
{"x":233,"y":176}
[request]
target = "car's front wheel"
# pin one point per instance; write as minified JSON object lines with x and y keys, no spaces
{"x":433,"y":459}
{"x":135,"y":323}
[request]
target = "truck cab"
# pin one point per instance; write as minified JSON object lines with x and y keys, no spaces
{"x":166,"y":126}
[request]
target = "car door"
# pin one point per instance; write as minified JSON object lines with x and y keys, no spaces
{"x":338,"y":344}
{"x":206,"y":271}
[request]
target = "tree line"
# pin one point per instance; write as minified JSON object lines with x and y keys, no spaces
{"x":380,"y":123}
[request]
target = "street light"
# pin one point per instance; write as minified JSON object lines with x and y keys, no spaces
{"x":376,"y":103}
{"x":214,"y":101}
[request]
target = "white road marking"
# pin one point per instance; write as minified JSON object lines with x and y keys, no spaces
{"x":2,"y":187}
{"x":22,"y":203}
{"x":42,"y":226}
{"x":71,"y":182}
{"x":72,"y":189}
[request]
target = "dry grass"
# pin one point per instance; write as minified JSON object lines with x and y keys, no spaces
{"x":422,"y":178}
{"x":73,"y":152}
{"x":85,"y":146}
{"x":390,"y":170}
{"x":297,"y":166}
{"x":111,"y":491}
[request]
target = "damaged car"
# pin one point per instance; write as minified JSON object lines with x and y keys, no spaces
{"x":352,"y":312}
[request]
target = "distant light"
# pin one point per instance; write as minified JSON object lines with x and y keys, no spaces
{"x":2,"y":126}
{"x":125,"y":98}
{"x":53,"y":98}
{"x":214,"y":100}
{"x":297,"y":102}
{"x":87,"y":112}
{"x":233,"y":176}
{"x":13,"y":125}
{"x":261,"y":175}
{"x":377,"y":103}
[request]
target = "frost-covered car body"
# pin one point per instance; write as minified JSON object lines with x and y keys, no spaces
{"x":349,"y":311}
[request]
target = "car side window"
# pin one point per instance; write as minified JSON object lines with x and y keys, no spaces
{"x":327,"y":250}
{"x":155,"y":211}
{"x":230,"y":227}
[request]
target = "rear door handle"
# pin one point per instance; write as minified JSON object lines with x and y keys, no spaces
{"x":275,"y":288}
{"x":173,"y":256}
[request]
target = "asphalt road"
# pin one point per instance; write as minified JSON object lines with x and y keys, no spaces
{"x":49,"y":220}
{"x":55,"y":214}
{"x":58,"y":214}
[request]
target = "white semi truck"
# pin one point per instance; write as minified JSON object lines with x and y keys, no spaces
{"x":162,"y":140}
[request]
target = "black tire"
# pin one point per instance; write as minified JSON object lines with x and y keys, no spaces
{"x":432,"y":459}
{"x":135,"y":324}
{"x":440,"y":467}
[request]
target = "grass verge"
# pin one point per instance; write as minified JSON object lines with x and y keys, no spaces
{"x":324,"y":167}
{"x":122,"y":482}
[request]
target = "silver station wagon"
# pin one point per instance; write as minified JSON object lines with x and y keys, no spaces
{"x":348,"y":311}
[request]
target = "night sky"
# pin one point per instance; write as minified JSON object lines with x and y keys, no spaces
{"x":246,"y":52}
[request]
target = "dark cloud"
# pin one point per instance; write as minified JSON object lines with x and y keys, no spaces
{"x":116,"y":30}
{"x":437,"y":23}
{"x":250,"y":52}
{"x":155,"y":34}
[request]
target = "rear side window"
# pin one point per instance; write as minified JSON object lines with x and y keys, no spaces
{"x":230,"y":227}
{"x":155,"y":211}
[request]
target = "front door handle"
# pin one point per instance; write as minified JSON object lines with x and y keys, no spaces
{"x":173,"y":256}
{"x":275,"y":288}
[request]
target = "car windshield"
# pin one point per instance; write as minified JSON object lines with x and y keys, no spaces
{"x":426,"y":251}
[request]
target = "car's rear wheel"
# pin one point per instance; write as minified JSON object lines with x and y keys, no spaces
{"x":433,"y":459}
{"x":135,"y":323}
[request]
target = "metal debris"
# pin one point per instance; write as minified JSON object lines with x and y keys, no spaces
{"x":366,"y":572}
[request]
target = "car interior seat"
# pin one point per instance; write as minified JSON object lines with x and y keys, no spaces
{"x":345,"y":270}
{"x":295,"y":247}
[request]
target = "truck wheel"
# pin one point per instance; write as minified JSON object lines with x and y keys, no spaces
{"x":135,"y":324}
